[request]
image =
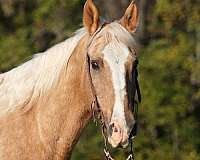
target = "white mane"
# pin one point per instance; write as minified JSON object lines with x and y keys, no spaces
{"x":36,"y":76}
{"x":119,"y":33}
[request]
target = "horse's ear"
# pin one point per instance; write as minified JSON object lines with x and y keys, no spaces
{"x":90,"y":17}
{"x":130,"y":18}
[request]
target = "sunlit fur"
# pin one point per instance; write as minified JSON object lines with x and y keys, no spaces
{"x":32,"y":79}
{"x":35,"y":77}
{"x":46,"y":102}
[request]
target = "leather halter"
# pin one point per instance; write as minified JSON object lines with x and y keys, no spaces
{"x":98,"y":114}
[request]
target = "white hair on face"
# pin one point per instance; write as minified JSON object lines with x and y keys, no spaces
{"x":116,"y":55}
{"x":35,"y":77}
{"x":118,"y":32}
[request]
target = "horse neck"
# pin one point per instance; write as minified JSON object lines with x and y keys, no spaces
{"x":67,"y":109}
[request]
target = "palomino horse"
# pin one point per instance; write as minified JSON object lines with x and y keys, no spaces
{"x":46,"y":102}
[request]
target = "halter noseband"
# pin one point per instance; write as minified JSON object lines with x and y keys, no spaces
{"x":99,"y":114}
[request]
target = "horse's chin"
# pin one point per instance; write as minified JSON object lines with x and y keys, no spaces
{"x":113,"y":143}
{"x":116,"y":144}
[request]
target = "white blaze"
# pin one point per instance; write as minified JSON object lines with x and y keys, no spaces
{"x":116,"y":56}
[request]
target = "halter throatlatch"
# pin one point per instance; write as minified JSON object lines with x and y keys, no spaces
{"x":98,"y":114}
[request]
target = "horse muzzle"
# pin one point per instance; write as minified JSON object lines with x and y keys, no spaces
{"x":117,"y":135}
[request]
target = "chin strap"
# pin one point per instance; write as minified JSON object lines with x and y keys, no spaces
{"x":109,"y":157}
{"x":131,"y":155}
{"x":107,"y":153}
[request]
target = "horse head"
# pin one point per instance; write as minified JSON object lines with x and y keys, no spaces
{"x":112,"y":60}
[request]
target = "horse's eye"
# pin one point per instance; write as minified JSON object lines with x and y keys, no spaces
{"x":95,"y":65}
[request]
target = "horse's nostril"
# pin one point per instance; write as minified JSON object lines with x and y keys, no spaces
{"x":112,"y":125}
{"x":113,"y":128}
